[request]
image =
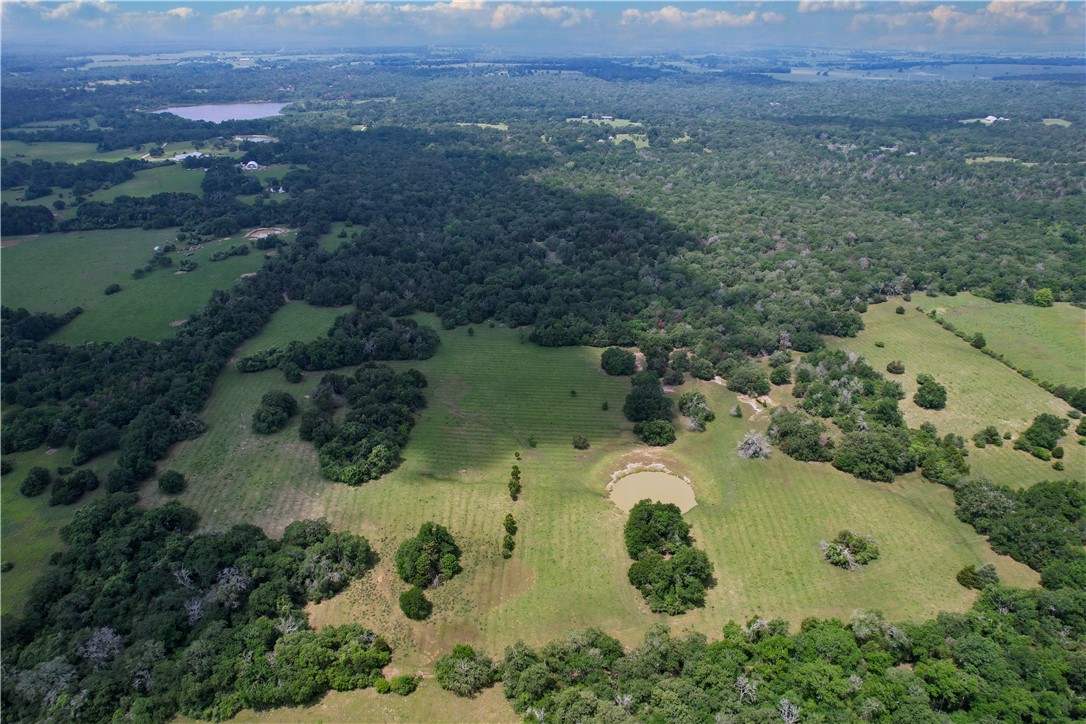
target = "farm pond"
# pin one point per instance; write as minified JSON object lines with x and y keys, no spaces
{"x":658,"y":486}
{"x":219,"y":112}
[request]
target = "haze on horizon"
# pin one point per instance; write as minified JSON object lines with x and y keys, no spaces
{"x":1001,"y":26}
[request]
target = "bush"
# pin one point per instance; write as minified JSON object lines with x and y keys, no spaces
{"x":702,"y":369}
{"x":850,"y":550}
{"x":876,"y":455}
{"x":381,"y":686}
{"x":404,"y":684}
{"x":171,"y":482}
{"x":657,"y":527}
{"x":1057,"y":452}
{"x":1045,"y":432}
{"x":799,"y":437}
{"x":978,"y":341}
{"x":510,"y":524}
{"x":615,"y":361}
{"x":646,"y":400}
{"x":68,"y":490}
{"x":36,"y":481}
{"x":415,"y":605}
{"x":6,"y":466}
{"x":931,"y":395}
{"x":696,"y":407}
{"x":464,"y":672}
{"x":896,"y":367}
{"x":276,"y":408}
{"x":900,"y":310}
{"x":754,"y":445}
{"x":580,"y":442}
{"x":655,"y":432}
{"x":780,"y":376}
{"x":1043,"y":297}
{"x":112,"y":289}
{"x":1058,"y":465}
{"x":973,"y":577}
{"x":988,"y":436}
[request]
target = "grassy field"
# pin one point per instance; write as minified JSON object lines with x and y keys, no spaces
{"x":980,"y":390}
{"x":639,"y":140}
{"x":294,"y":321}
{"x":62,"y":151}
{"x":760,"y":522}
{"x":494,"y":126}
{"x":614,"y":123}
{"x":81,"y":264}
{"x":145,"y":183}
{"x":1050,"y":340}
{"x":29,"y":527}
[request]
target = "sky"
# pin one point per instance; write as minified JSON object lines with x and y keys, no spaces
{"x":553,"y":27}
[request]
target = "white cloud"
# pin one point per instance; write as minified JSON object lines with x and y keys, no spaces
{"x":700,"y":18}
{"x":814,"y":6}
{"x":1000,"y":16}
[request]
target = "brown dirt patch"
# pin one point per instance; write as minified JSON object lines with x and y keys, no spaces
{"x":179,"y":272}
{"x":178,"y":322}
{"x":266,"y":232}
{"x":6,"y":243}
{"x":247,"y":275}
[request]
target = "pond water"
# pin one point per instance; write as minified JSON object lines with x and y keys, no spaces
{"x":219,"y":112}
{"x":661,"y":487}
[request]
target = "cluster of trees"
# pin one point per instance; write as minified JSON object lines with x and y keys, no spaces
{"x":67,"y":488}
{"x":275,"y":410}
{"x":382,"y":407}
{"x":615,"y":361}
{"x":139,"y":619}
{"x":651,"y":410}
{"x":508,"y":540}
{"x":671,"y":574}
{"x":1040,"y":526}
{"x":354,"y":338}
{"x":18,"y":325}
{"x":850,"y":550}
{"x":425,"y":561}
{"x":1042,"y":438}
{"x":39,"y":177}
{"x":1008,"y":659}
{"x":514,"y":483}
{"x":223,"y":254}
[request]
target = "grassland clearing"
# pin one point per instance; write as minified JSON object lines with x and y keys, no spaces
{"x":1049,"y":340}
{"x":981,"y":391}
{"x":1056,"y":122}
{"x":69,"y":152}
{"x":639,"y":140}
{"x":760,"y":521}
{"x":81,"y":264}
{"x":613,"y":122}
{"x":493,"y":126}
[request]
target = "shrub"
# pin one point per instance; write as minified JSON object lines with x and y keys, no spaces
{"x":171,"y":482}
{"x":655,"y":432}
{"x":381,"y":686}
{"x":1043,"y":297}
{"x":36,"y":481}
{"x":702,"y":369}
{"x":754,"y":445}
{"x":646,"y":400}
{"x":465,"y":671}
{"x":696,"y":407}
{"x":876,"y":455}
{"x":112,"y":289}
{"x":1057,"y":452}
{"x":978,"y":341}
{"x":1058,"y":465}
{"x":850,"y":550}
{"x":276,"y":408}
{"x":896,"y":367}
{"x":404,"y":684}
{"x":508,"y":544}
{"x":780,"y":358}
{"x":899,"y":310}
{"x":6,"y":466}
{"x":68,"y":490}
{"x":988,"y":436}
{"x":415,"y":605}
{"x":580,"y":442}
{"x":615,"y":361}
{"x":931,"y":395}
{"x":973,"y":577}
{"x":780,"y":376}
{"x":655,"y":527}
{"x":672,"y":585}
{"x":735,"y":411}
{"x":673,"y":378}
{"x":510,"y":524}
{"x":1045,"y":432}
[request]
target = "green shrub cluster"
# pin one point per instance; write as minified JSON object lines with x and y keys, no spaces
{"x":671,"y":574}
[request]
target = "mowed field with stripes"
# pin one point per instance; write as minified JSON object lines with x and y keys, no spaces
{"x":760,"y":521}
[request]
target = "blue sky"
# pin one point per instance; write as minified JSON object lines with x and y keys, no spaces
{"x":558,"y":26}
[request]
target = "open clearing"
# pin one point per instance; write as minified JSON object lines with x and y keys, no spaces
{"x":639,"y":140}
{"x":613,"y":122}
{"x":82,"y":264}
{"x":62,"y":151}
{"x":759,"y":521}
{"x":494,"y":126}
{"x":1049,"y":340}
{"x":1055,"y":122}
{"x":981,"y":391}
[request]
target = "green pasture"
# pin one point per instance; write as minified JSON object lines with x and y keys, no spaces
{"x":639,"y":140}
{"x":614,"y":123}
{"x":55,"y":272}
{"x":69,"y":152}
{"x":761,"y":522}
{"x":494,"y":126}
{"x":294,"y":321}
{"x":1049,"y":340}
{"x":30,"y":527}
{"x":981,"y":391}
{"x":151,"y":181}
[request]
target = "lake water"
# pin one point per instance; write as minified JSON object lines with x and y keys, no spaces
{"x":219,"y":112}
{"x":657,"y":486}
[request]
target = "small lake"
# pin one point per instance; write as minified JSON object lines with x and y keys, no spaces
{"x":657,"y":486}
{"x":219,"y":112}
